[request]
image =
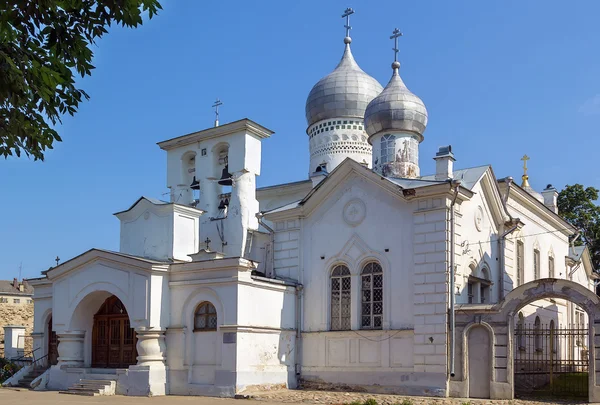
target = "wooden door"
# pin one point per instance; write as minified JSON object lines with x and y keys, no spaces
{"x":113,"y":339}
{"x":52,"y":345}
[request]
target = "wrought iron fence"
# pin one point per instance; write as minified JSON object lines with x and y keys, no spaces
{"x":551,"y":360}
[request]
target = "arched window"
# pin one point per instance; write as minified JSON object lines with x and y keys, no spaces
{"x":372,"y":296}
{"x":340,"y":298}
{"x":484,"y":286}
{"x":520,"y":332}
{"x":388,"y":148}
{"x":205,"y":318}
{"x":520,"y":263}
{"x":536,"y":264}
{"x":537,"y":327}
{"x":553,"y":344}
{"x":551,"y":266}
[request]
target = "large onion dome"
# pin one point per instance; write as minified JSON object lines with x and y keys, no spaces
{"x":396,"y":109}
{"x":345,"y":92}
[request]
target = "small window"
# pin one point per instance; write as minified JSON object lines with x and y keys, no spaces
{"x":203,"y":152}
{"x":520,"y":332}
{"x":551,"y":267}
{"x":16,"y":301}
{"x":30,"y":301}
{"x":470,"y":293}
{"x":3,"y":300}
{"x":205,"y":319}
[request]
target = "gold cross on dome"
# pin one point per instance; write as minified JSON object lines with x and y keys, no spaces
{"x":525,"y":158}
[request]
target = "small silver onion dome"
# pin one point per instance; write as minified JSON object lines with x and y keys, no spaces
{"x":345,"y":92}
{"x":396,"y":108}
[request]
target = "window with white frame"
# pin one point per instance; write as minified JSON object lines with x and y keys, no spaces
{"x":372,"y":296}
{"x":550,"y":266}
{"x":520,"y":262}
{"x":340,"y":298}
{"x":388,"y":148}
{"x":536,"y":264}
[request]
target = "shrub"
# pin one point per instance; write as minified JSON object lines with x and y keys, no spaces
{"x":370,"y":401}
{"x":7,"y":369}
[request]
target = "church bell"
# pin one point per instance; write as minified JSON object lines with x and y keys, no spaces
{"x":225,"y":179}
{"x":195,"y":184}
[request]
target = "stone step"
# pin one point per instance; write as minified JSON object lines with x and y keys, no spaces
{"x":86,"y":393}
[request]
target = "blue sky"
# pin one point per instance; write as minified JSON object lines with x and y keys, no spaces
{"x":499,"y":79}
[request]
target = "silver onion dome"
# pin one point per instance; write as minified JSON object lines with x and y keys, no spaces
{"x":396,"y":108}
{"x":345,"y":92}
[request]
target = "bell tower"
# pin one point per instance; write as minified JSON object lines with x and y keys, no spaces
{"x":226,"y":161}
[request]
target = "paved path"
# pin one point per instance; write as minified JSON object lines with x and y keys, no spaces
{"x":14,"y":396}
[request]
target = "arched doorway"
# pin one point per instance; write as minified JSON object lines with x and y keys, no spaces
{"x":552,"y":352}
{"x":52,"y":344}
{"x":479,"y":349}
{"x":113,"y":338}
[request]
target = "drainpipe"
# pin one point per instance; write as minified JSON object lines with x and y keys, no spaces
{"x":297,"y":356}
{"x":502,"y":247}
{"x":456,"y":184}
{"x":270,"y":259}
{"x":502,"y":239}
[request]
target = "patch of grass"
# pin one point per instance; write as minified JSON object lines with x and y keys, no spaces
{"x":406,"y":402}
{"x":370,"y":401}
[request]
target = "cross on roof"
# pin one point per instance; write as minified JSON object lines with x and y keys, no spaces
{"x":525,"y":158}
{"x":216,"y":106}
{"x":395,"y":34}
{"x":347,"y":13}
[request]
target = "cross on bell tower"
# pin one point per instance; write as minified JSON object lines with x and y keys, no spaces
{"x":347,"y":13}
{"x":216,"y":107}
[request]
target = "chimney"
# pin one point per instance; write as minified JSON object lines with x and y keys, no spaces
{"x":551,"y":198}
{"x":444,"y":163}
{"x":15,"y":283}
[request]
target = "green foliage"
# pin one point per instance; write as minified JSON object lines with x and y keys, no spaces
{"x":7,"y":369}
{"x":577,"y":206}
{"x":43,"y":45}
{"x":370,"y":401}
{"x":406,"y":402}
{"x":466,"y":403}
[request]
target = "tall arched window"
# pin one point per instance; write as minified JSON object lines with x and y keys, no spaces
{"x":520,"y":332}
{"x":536,"y":264}
{"x":551,"y":266}
{"x":537,"y":326}
{"x":520,"y":263}
{"x":372,"y":296}
{"x":205,"y":318}
{"x":340,"y":298}
{"x":388,"y":148}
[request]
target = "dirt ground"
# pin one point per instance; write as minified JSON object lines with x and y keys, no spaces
{"x":25,"y":397}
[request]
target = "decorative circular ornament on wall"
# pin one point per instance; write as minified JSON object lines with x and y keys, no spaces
{"x":146,"y":215}
{"x":354,"y":212}
{"x":479,"y":218}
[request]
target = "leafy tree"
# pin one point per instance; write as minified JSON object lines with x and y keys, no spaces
{"x":577,"y":206}
{"x":43,"y":45}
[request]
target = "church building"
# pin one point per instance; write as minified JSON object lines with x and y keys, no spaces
{"x":353,"y":276}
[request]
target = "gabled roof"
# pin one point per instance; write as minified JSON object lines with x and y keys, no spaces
{"x":523,"y":197}
{"x":155,"y":201}
{"x":95,"y":253}
{"x":8,"y":287}
{"x":394,"y":186}
{"x":244,"y":124}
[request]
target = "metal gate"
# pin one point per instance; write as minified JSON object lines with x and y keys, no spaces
{"x":551,"y":361}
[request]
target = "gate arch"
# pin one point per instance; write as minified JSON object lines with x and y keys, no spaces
{"x":559,"y":289}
